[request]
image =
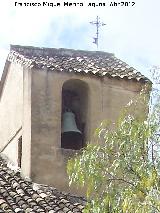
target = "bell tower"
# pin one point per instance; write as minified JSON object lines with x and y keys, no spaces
{"x":62,"y":96}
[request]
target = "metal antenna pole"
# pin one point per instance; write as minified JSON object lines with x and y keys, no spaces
{"x":98,"y":25}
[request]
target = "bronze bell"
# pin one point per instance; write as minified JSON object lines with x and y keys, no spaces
{"x":71,"y":136}
{"x":69,"y":123}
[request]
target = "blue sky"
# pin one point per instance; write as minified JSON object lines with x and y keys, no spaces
{"x":131,"y":33}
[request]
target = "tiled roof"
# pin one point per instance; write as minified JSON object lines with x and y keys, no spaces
{"x":20,"y":195}
{"x":78,"y":61}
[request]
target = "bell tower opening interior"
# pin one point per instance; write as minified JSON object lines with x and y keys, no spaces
{"x":74,"y":114}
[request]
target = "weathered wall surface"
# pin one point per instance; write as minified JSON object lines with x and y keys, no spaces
{"x":11,"y":105}
{"x":106,"y":99}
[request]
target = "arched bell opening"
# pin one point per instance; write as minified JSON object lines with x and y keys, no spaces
{"x":74,"y":114}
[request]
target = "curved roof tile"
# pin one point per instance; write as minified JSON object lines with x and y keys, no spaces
{"x":78,"y":61}
{"x":20,"y":195}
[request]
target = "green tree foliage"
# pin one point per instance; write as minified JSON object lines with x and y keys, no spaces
{"x":122,"y":172}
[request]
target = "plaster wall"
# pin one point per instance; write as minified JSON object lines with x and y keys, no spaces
{"x":11,"y":108}
{"x":12,"y":149}
{"x":106,"y":98}
{"x":26,"y":130}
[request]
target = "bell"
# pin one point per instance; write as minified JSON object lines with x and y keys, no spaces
{"x":69,"y":123}
{"x":71,"y":135}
